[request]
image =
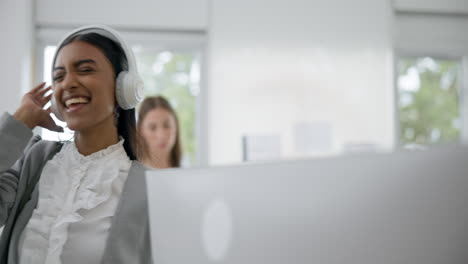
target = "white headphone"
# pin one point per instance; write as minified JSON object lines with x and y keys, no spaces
{"x":129,"y":86}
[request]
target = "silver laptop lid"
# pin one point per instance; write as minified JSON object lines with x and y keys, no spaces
{"x":400,"y":208}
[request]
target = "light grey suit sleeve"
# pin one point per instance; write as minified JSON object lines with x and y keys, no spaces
{"x":14,"y":139}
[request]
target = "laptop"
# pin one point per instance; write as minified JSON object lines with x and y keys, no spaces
{"x":399,"y":208}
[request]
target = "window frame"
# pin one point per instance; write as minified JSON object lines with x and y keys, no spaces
{"x":416,"y":42}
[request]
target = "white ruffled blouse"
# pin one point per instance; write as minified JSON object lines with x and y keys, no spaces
{"x":78,"y":196}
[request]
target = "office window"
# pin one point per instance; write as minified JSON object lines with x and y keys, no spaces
{"x":428,"y":100}
{"x":176,"y":76}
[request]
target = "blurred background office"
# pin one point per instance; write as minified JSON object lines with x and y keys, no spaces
{"x":267,"y":80}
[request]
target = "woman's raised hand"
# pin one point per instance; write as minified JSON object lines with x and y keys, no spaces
{"x":31,"y":111}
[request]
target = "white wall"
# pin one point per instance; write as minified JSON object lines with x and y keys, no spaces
{"x":140,"y":14}
{"x":273,"y":64}
{"x":16,"y":50}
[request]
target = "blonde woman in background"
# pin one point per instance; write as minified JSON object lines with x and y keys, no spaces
{"x":158,"y":134}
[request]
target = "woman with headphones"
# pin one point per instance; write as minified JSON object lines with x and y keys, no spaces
{"x":82,"y":201}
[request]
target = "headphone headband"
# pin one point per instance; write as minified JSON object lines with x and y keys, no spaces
{"x":129,"y":86}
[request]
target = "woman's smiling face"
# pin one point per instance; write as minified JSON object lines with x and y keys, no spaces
{"x":83,"y":86}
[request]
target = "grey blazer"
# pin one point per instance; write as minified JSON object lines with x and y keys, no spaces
{"x":22,"y":157}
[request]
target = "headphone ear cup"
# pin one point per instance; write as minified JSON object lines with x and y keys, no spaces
{"x":53,"y":106}
{"x":128,"y":90}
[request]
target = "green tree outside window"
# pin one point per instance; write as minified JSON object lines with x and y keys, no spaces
{"x":428,"y":101}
